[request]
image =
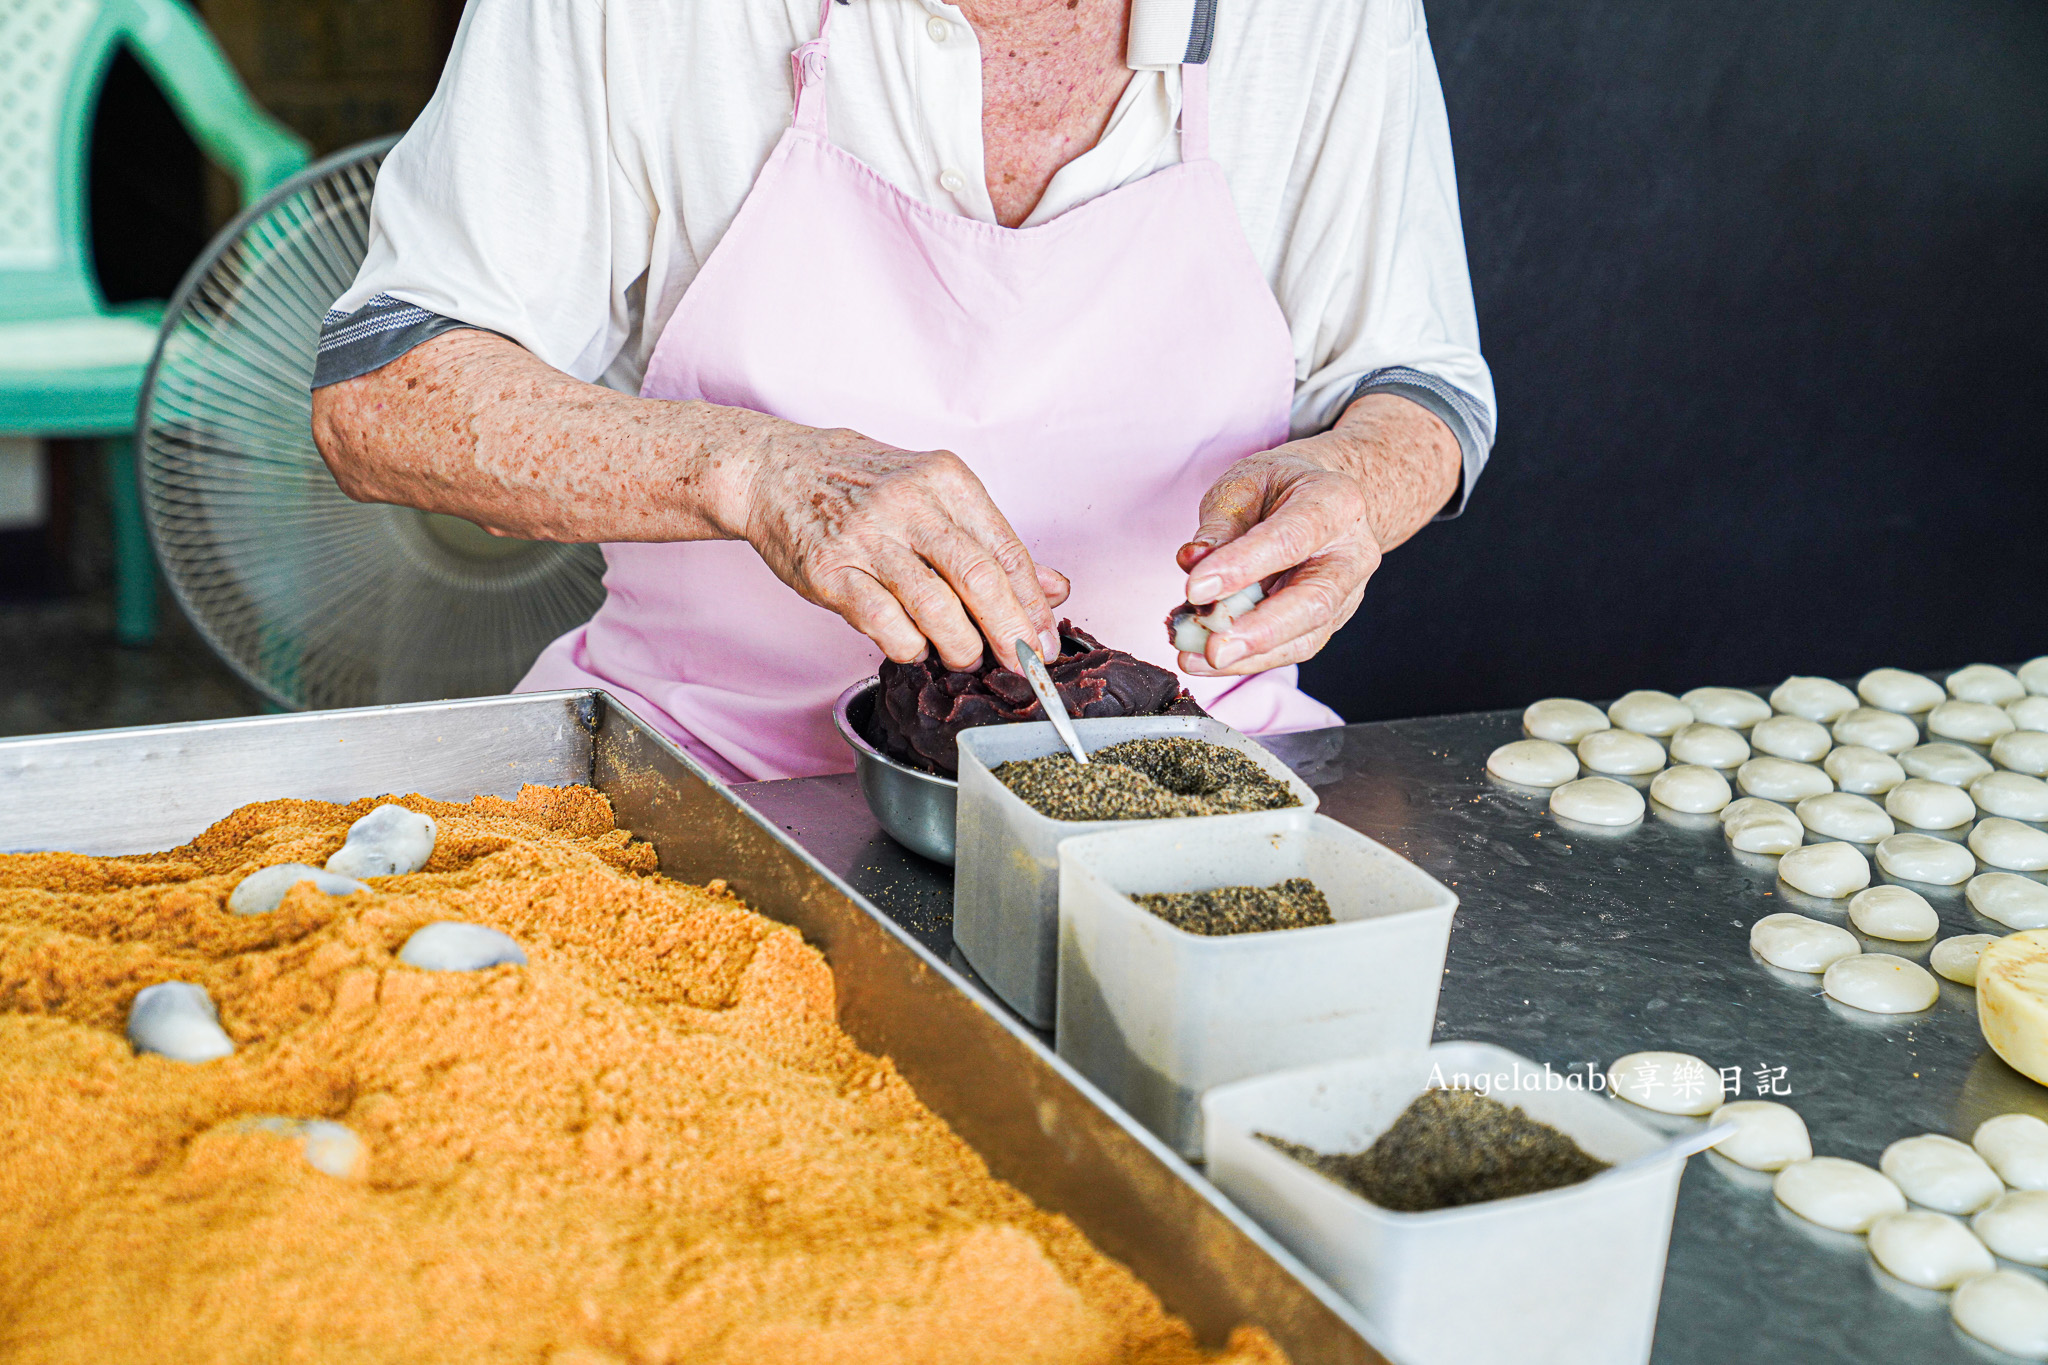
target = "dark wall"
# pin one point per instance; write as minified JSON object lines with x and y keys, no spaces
{"x":1763,"y":288}
{"x":147,"y":206}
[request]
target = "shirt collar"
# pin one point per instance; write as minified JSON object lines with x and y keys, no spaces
{"x":1164,"y":33}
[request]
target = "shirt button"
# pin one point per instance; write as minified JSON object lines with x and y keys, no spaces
{"x":938,"y":28}
{"x":952,"y":182}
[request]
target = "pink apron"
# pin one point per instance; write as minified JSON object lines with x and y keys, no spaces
{"x":1098,"y":372}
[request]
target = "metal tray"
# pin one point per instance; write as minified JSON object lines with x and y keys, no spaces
{"x":1038,"y":1124}
{"x":1575,"y":945}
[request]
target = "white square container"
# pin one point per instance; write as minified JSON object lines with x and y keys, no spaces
{"x":1156,"y":1015}
{"x":1566,"y":1277}
{"x":1006,"y":855}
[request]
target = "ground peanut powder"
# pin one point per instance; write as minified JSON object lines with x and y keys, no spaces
{"x":651,"y":1144}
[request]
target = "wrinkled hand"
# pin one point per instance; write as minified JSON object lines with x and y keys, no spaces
{"x":1280,"y":512}
{"x":906,"y":545}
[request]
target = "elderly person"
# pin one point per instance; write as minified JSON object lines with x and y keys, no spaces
{"x":874,"y":327}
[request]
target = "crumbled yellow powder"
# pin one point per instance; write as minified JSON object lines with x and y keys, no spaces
{"x":651,"y":1144}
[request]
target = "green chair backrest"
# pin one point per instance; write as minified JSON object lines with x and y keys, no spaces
{"x":53,"y":57}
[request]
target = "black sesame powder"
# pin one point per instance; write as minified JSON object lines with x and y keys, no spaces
{"x":1454,"y":1147}
{"x":1146,"y":779}
{"x":1296,"y":903}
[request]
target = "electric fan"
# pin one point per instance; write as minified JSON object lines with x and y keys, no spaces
{"x":318,"y":601}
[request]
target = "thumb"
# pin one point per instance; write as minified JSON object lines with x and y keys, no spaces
{"x":1229,"y":509}
{"x":1193,"y":553}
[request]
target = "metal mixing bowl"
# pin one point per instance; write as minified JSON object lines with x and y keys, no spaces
{"x":916,"y":808}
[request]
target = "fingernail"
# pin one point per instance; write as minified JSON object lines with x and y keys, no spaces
{"x":1049,"y":645}
{"x":1205,"y":589}
{"x":1195,"y":664}
{"x":1229,"y":652}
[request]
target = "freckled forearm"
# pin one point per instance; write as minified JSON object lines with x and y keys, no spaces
{"x":1406,"y":461}
{"x":474,"y":425}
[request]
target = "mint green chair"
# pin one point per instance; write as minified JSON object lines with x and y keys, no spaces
{"x":70,"y":365}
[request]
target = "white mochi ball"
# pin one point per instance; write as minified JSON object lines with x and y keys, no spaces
{"x":1792,"y":737}
{"x":1941,"y":1173}
{"x":1813,"y":698}
{"x":1884,"y":731}
{"x":1754,"y":825}
{"x":1668,"y":1082}
{"x":2014,"y":901}
{"x":1836,"y":1193}
{"x":2009,"y":844}
{"x":390,"y":841}
{"x":2006,"y":1310}
{"x":330,"y":1148}
{"x":2016,"y":1145}
{"x":1864,"y":771}
{"x":1712,"y":746}
{"x":2029,"y":713}
{"x":1830,"y":870}
{"x":264,"y":890}
{"x":1799,"y":944}
{"x":1985,"y":682}
{"x":1691,"y":787}
{"x":1924,"y":858}
{"x":177,"y":1019}
{"x":1564,"y":720}
{"x":2023,"y":751}
{"x":1944,"y":762}
{"x":1781,"y":779}
{"x":2016,"y":796}
{"x":1842,"y":815}
{"x":451,"y":946}
{"x":2034,"y":674}
{"x":1620,"y":751}
{"x":1931,"y":1250}
{"x":1650,"y":713}
{"x":1956,"y":958}
{"x":1895,"y":912}
{"x":1880,"y":983}
{"x":1730,"y":706}
{"x":1929,"y":805}
{"x":1977,"y":722}
{"x":1598,"y":801}
{"x":1767,"y":1137}
{"x":1533,"y":763}
{"x":1192,"y":626}
{"x":2016,"y":1226}
{"x":1894,"y":689}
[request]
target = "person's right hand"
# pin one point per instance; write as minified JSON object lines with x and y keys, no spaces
{"x":905,"y":544}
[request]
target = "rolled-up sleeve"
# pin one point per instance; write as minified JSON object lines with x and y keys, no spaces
{"x":504,"y":207}
{"x":1395,"y":314}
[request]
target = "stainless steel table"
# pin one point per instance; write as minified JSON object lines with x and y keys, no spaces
{"x":1575,"y":946}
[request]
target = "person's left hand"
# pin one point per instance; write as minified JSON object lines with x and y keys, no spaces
{"x":1280,"y":512}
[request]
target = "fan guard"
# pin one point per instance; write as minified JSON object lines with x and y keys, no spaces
{"x":315,"y":600}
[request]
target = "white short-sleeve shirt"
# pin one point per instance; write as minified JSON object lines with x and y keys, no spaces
{"x":581,"y":160}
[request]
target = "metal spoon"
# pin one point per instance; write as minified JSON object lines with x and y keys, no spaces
{"x":1049,"y":698}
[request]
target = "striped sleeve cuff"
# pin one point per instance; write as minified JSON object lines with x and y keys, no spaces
{"x":1465,"y":415}
{"x":371,"y":337}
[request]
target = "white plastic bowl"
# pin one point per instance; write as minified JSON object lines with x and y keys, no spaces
{"x":1568,"y":1277}
{"x":1155,"y":1015}
{"x":1006,"y":855}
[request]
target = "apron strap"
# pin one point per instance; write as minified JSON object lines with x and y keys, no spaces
{"x":807,"y":74}
{"x":1194,"y":111}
